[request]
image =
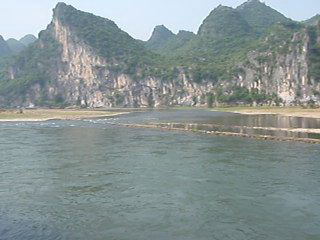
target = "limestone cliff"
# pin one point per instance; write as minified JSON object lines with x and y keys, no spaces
{"x":81,"y":76}
{"x":73,"y":64}
{"x":284,"y":73}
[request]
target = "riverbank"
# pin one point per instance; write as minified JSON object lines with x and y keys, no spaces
{"x":39,"y":115}
{"x":283,"y":111}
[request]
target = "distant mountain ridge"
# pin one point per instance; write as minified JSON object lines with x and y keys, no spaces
{"x":251,"y":54}
{"x":164,"y":40}
{"x":4,"y":48}
{"x":12,"y":46}
{"x":259,"y":16}
{"x":313,"y":21}
{"x":28,"y":39}
{"x":15,"y":45}
{"x":250,"y":18}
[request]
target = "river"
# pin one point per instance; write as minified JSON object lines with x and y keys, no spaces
{"x":93,"y":179}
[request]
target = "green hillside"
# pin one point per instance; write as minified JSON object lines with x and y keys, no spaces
{"x":259,"y":16}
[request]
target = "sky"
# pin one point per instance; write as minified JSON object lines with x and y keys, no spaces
{"x":137,"y":17}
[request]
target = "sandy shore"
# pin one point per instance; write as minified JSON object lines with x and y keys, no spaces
{"x":39,"y":115}
{"x":283,"y":111}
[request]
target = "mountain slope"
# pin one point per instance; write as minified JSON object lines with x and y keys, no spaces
{"x":168,"y":44}
{"x":313,"y":21}
{"x":28,"y":39}
{"x":101,"y":34}
{"x":159,"y":38}
{"x":15,"y":45}
{"x":72,"y":59}
{"x":223,"y":38}
{"x":178,"y":41}
{"x":4,"y":48}
{"x":260,"y":16}
{"x":86,"y":60}
{"x":224,"y":22}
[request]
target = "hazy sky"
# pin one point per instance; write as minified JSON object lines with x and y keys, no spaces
{"x":137,"y":17}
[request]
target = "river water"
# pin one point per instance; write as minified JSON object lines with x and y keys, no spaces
{"x":93,"y":179}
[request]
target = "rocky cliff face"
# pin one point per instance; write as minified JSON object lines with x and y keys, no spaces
{"x":81,"y":77}
{"x":72,"y":72}
{"x":84,"y":78}
{"x":285,"y":74}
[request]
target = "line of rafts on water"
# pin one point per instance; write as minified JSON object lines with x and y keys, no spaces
{"x":261,"y":133}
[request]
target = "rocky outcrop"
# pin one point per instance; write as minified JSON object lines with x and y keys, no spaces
{"x":285,"y":74}
{"x":72,"y":72}
{"x":84,"y":78}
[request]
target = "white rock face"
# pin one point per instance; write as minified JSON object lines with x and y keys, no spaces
{"x":83,"y":78}
{"x":286,"y":75}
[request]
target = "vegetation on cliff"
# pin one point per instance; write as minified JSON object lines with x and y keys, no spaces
{"x":212,"y":55}
{"x":15,"y":45}
{"x":103,"y":35}
{"x":33,"y":65}
{"x":4,"y":48}
{"x":259,"y":16}
{"x":28,"y":39}
{"x":314,"y":56}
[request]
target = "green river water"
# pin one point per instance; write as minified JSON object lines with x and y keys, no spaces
{"x":93,"y":179}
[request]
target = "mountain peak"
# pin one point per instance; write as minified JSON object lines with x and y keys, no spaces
{"x":313,"y":21}
{"x":251,"y":3}
{"x":61,"y":9}
{"x":28,"y":39}
{"x":4,"y":48}
{"x":99,"y":33}
{"x":222,"y":7}
{"x":224,"y":22}
{"x":71,"y":16}
{"x":15,"y":45}
{"x":162,"y":29}
{"x":160,"y":36}
{"x":61,"y":5}
{"x":185,"y":33}
{"x":260,"y":16}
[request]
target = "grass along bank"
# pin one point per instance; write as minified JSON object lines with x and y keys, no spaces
{"x":52,"y":114}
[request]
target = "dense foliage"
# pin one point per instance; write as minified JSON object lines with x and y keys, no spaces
{"x":28,"y":39}
{"x":4,"y":48}
{"x":159,"y":38}
{"x":259,"y":16}
{"x":223,"y":41}
{"x":15,"y":45}
{"x":314,"y":21}
{"x":314,"y":56}
{"x":167,"y":46}
{"x":224,"y":22}
{"x":104,"y":36}
{"x":33,"y":65}
{"x":245,"y":96}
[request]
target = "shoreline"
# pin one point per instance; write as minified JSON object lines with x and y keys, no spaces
{"x":44,"y":115}
{"x":281,"y":111}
